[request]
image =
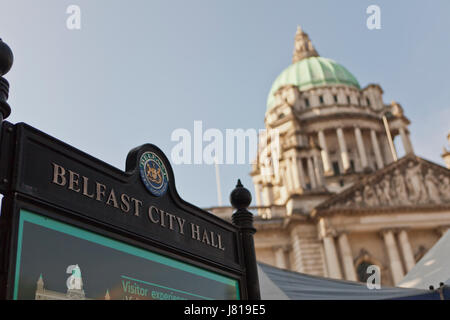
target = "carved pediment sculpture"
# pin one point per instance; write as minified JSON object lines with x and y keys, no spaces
{"x":411,"y":182}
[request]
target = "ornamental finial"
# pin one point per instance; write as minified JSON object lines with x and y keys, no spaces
{"x":240,"y":197}
{"x":6,"y":62}
{"x":6,"y":58}
{"x":303,"y":47}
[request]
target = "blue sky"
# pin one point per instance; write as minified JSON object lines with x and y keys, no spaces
{"x":137,"y":70}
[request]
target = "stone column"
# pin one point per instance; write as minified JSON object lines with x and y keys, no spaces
{"x":288,"y":177}
{"x":324,"y":153}
{"x":334,"y":270}
{"x":257,"y":193}
{"x":347,"y":257}
{"x":343,"y":148}
{"x":259,"y":203}
{"x":312,"y":179}
{"x":295,"y":173}
{"x":361,"y":148}
{"x":317,"y":171}
{"x":280,"y":258}
{"x":268,"y":194}
{"x":301,"y":172}
{"x":296,"y":251}
{"x":376,"y":149}
{"x":405,"y":245}
{"x":406,"y":141}
{"x":394,"y":257}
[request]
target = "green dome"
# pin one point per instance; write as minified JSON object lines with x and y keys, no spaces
{"x":312,"y":72}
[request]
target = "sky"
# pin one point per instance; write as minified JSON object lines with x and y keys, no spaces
{"x":138,"y":70}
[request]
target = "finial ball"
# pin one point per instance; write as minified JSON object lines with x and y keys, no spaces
{"x":6,"y":58}
{"x":240,"y":197}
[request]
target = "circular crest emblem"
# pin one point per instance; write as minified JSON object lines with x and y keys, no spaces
{"x":153,"y":173}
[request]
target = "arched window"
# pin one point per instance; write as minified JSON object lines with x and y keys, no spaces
{"x":352,"y":165}
{"x":336,"y":170}
{"x":363,"y":261}
{"x":321,"y":99}
{"x":361,"y":271}
{"x":306,"y":102}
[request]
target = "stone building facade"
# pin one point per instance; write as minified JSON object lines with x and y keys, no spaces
{"x":332,"y":195}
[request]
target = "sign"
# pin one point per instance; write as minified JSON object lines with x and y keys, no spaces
{"x":74,"y":227}
{"x":103,"y":268}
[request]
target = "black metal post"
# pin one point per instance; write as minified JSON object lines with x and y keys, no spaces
{"x":6,"y":61}
{"x":241,"y":198}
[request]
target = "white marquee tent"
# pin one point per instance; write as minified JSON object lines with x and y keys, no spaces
{"x":279,"y":284}
{"x":432,"y":269}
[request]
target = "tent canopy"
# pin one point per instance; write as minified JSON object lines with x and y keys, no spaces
{"x":433,"y":268}
{"x":279,"y":284}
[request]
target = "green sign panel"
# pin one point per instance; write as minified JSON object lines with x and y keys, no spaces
{"x":59,"y":261}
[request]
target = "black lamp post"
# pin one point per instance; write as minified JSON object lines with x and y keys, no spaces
{"x":241,"y":198}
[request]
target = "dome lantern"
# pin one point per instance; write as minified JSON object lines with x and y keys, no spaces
{"x":303,"y":47}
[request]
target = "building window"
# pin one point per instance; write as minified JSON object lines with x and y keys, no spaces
{"x":361,"y":271}
{"x":307,"y":103}
{"x":368,"y":101}
{"x":335,"y":98}
{"x":336,"y":170}
{"x":352,"y":165}
{"x":321,"y":99}
{"x":348,"y":100}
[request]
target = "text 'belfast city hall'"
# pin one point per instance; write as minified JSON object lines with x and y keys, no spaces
{"x":334,"y":197}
